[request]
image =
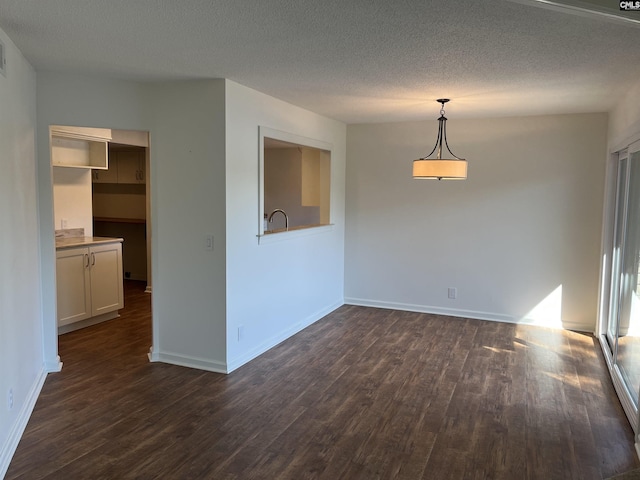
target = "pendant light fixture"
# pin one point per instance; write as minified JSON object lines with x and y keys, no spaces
{"x":440,"y":168}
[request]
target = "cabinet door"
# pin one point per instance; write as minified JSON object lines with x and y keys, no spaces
{"x":106,"y":176}
{"x":131,"y":166}
{"x":106,"y":278}
{"x":73,"y":285}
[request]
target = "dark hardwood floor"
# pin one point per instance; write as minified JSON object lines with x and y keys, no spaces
{"x":362,"y":394}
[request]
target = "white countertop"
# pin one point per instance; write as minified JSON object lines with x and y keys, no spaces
{"x":70,"y":242}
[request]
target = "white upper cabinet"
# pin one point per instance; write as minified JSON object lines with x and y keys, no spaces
{"x":80,"y":147}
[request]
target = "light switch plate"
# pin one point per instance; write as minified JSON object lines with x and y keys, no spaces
{"x":208,"y":242}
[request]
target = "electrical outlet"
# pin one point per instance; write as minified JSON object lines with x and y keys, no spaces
{"x":240,"y":332}
{"x":453,"y":293}
{"x":64,"y":223}
{"x":10,"y":399}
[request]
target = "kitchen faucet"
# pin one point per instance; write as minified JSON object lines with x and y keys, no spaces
{"x":286,"y":218}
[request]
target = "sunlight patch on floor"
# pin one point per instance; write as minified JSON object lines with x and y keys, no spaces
{"x":497,"y":350}
{"x":547,"y":313}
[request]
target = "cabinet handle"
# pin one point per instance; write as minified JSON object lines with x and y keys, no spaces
{"x":93,"y":258}
{"x":86,"y":260}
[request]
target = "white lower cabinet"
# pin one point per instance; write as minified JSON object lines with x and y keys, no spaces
{"x":89,"y":281}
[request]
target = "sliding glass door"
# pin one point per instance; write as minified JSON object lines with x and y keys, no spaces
{"x":622,"y":334}
{"x":628,"y":352}
{"x":616,"y":256}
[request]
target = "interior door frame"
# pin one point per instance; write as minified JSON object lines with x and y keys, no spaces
{"x":138,"y":138}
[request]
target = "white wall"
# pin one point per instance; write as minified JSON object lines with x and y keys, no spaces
{"x":186,"y":125}
{"x":186,"y":121}
{"x":79,"y":101}
{"x":72,"y":198}
{"x":21,"y":356}
{"x":624,"y":120}
{"x":277,"y":288}
{"x":519,"y":239}
{"x":188,"y":202}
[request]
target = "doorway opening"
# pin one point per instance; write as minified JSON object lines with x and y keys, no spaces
{"x":105,"y":198}
{"x":119,"y":207}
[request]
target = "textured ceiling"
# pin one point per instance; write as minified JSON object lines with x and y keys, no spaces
{"x":353,"y":60}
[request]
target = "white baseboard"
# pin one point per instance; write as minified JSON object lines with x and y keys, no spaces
{"x":70,"y":327}
{"x":579,"y":327}
{"x":231,"y":365}
{"x":53,"y":365}
{"x":280,"y":337}
{"x":10,"y":445}
{"x":453,"y":312}
{"x":187,"y":361}
{"x":456,"y":312}
{"x":221,"y":367}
